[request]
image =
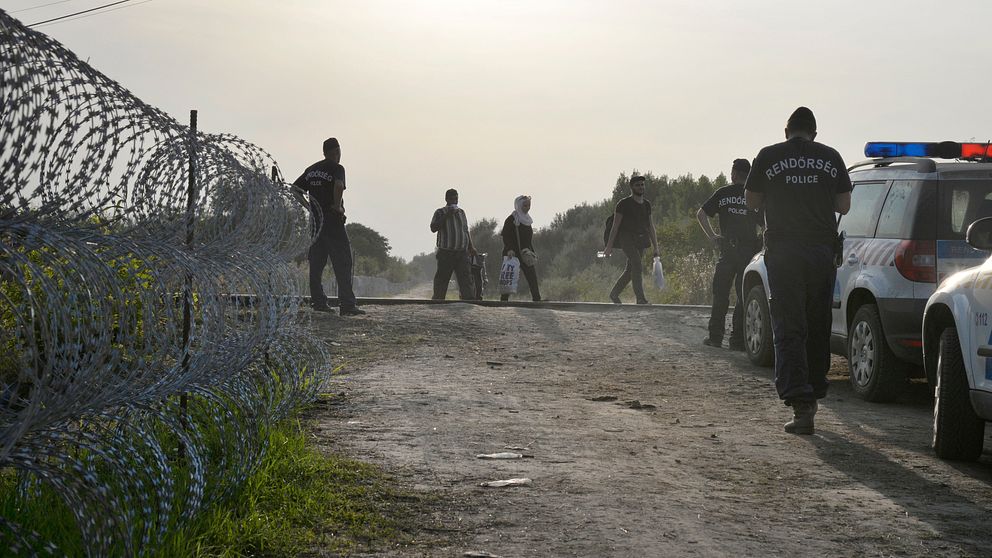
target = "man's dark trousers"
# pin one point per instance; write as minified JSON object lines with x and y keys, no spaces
{"x":801,"y":279}
{"x":632,"y":274}
{"x":729,"y":273}
{"x":332,"y":243}
{"x":458,"y":262}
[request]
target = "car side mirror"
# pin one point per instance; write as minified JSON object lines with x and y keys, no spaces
{"x":979,"y":234}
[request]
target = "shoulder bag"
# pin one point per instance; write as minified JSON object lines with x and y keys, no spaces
{"x":527,"y":256}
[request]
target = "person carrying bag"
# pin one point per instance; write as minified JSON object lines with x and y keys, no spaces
{"x":518,"y":246}
{"x":509,"y":277}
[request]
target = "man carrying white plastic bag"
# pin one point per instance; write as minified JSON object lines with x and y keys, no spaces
{"x":509,"y":275}
{"x":632,"y":229}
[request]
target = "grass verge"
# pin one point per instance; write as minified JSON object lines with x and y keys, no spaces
{"x":302,"y":502}
{"x":299,"y":502}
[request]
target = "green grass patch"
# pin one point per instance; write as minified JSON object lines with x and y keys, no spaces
{"x":298,"y":502}
{"x":301,"y":501}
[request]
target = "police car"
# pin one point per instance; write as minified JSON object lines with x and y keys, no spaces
{"x":957,"y":346}
{"x":905,"y":233}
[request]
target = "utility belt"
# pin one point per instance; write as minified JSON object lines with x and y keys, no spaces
{"x":740,"y":244}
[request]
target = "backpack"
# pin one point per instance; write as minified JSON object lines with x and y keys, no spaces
{"x":608,"y":229}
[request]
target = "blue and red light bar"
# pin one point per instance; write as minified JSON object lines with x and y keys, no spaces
{"x":939,"y":150}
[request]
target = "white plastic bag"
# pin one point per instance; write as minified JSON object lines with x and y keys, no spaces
{"x":659,"y":274}
{"x":509,"y":275}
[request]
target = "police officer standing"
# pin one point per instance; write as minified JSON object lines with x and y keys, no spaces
{"x":800,"y":184}
{"x":323,"y":182}
{"x":737,"y":242}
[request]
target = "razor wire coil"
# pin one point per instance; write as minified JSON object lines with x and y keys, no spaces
{"x":134,"y":384}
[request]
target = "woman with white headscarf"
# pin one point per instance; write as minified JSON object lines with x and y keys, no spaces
{"x":518,"y":240}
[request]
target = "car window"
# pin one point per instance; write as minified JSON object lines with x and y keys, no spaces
{"x":896,"y":218}
{"x":963,"y":202}
{"x":865,"y":198}
{"x":959,"y":206}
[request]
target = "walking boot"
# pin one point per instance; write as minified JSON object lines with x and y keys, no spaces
{"x":802,"y":417}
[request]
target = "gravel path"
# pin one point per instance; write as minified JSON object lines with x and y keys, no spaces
{"x":637,"y":440}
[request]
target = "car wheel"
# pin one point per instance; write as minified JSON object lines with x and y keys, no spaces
{"x":958,"y":433}
{"x":758,"y":328}
{"x":875,"y":372}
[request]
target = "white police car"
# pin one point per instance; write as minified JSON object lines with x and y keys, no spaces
{"x":957,"y":346}
{"x":904,"y":234}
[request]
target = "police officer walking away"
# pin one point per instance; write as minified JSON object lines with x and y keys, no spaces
{"x":737,"y":242}
{"x":799,"y":184}
{"x":324,"y":182}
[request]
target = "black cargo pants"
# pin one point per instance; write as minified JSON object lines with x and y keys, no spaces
{"x":734,"y":257}
{"x":801,"y":279}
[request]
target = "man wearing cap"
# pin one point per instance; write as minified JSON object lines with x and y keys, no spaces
{"x":634,"y":231}
{"x":737,"y":242}
{"x":799,"y":185}
{"x":323,"y":181}
{"x":454,"y":247}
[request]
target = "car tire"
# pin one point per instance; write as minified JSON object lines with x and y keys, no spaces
{"x":875,"y":373}
{"x":958,"y":433}
{"x":758,"y":342}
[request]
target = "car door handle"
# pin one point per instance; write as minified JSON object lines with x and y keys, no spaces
{"x":852,"y":259}
{"x":985,"y":351}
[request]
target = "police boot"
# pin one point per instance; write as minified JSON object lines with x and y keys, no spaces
{"x":802,"y":417}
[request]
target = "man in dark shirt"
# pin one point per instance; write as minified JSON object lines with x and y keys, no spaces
{"x":323,"y":181}
{"x":800,"y":184}
{"x":633,"y":231}
{"x":737,"y":243}
{"x":454,"y":248}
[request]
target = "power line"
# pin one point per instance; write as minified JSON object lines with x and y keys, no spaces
{"x":94,"y":14}
{"x":54,"y":19}
{"x":40,"y":6}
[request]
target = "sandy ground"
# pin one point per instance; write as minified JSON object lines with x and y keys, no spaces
{"x":639,"y":441}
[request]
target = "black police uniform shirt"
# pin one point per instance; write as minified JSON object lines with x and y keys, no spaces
{"x":635,"y":222}
{"x":318,"y":181}
{"x":737,"y":222}
{"x":800,"y":180}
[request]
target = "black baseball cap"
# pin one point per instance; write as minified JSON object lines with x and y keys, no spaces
{"x":741,"y":165}
{"x":331,"y":143}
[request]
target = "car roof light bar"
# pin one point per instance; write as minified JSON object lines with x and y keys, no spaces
{"x":976,"y":151}
{"x":939,"y":150}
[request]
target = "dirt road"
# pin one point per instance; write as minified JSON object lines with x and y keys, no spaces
{"x":639,"y":441}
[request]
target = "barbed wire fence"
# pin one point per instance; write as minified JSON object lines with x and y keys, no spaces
{"x":133,"y":385}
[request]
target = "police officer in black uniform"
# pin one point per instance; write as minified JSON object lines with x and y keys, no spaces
{"x":799,"y":185}
{"x":737,"y":242}
{"x":324,"y":182}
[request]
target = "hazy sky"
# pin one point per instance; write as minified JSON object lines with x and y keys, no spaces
{"x":553,"y":98}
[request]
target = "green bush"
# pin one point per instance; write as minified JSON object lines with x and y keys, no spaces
{"x":689,"y":278}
